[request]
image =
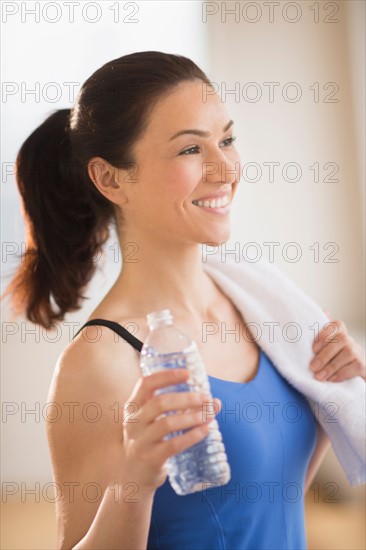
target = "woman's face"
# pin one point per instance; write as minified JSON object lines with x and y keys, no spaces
{"x":174,"y":171}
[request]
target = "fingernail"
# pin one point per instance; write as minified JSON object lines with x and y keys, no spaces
{"x":315,"y":364}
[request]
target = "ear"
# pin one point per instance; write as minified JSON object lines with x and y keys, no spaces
{"x":105,"y":178}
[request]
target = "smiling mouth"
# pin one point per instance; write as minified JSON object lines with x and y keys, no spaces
{"x":213,"y":203}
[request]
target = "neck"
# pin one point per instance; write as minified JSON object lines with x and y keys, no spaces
{"x":165,"y":275}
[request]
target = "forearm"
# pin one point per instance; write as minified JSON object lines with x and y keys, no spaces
{"x":322,"y":446}
{"x":119,"y":522}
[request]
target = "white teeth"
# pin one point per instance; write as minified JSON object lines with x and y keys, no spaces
{"x":214,"y":203}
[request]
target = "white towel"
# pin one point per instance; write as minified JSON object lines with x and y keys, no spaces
{"x":264,"y":294}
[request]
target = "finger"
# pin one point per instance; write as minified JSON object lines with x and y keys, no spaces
{"x":330,"y":333}
{"x":330,"y":365}
{"x":330,"y":337}
{"x":348,"y":371}
{"x":326,"y":354}
{"x":166,"y":404}
{"x":173,"y":401}
{"x":180,"y":443}
{"x":146,"y":387}
{"x":175,"y":422}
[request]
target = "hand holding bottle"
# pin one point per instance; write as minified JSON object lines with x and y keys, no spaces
{"x":145,"y":425}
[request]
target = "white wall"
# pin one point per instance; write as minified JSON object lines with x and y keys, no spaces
{"x":355,"y":17}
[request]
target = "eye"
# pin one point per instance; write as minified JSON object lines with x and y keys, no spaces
{"x":228,"y":141}
{"x":187,"y":151}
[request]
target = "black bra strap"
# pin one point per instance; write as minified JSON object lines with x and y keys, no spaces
{"x":124,"y":333}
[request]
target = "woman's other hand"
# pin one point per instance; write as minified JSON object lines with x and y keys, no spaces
{"x":337,"y":355}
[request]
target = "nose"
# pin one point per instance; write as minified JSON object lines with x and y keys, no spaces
{"x":220,"y":167}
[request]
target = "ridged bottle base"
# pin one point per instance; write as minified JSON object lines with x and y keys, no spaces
{"x":181,"y":487}
{"x":211,"y":467}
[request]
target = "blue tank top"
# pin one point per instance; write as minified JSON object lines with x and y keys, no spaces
{"x":269,"y":433}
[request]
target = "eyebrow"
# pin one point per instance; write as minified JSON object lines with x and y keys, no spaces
{"x":201,"y":133}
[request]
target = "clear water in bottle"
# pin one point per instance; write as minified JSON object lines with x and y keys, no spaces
{"x":204,"y":464}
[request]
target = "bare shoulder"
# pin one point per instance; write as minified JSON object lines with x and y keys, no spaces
{"x":93,"y":379}
{"x":97,"y":362}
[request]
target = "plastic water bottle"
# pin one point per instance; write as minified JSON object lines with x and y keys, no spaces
{"x":204,"y":464}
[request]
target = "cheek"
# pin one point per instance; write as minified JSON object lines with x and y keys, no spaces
{"x":182,"y":179}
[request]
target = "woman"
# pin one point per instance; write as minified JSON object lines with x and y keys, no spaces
{"x":135,"y":151}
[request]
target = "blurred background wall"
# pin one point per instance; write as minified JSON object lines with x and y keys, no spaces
{"x":292,"y":75}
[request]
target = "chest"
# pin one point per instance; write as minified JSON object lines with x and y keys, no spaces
{"x":228,"y":349}
{"x":236,"y":361}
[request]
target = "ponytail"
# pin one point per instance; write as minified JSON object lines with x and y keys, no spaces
{"x":65,"y":222}
{"x":67,"y":219}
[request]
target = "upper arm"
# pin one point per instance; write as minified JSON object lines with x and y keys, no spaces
{"x":91,"y":383}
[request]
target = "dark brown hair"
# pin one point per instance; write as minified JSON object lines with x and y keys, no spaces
{"x":67,"y":219}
